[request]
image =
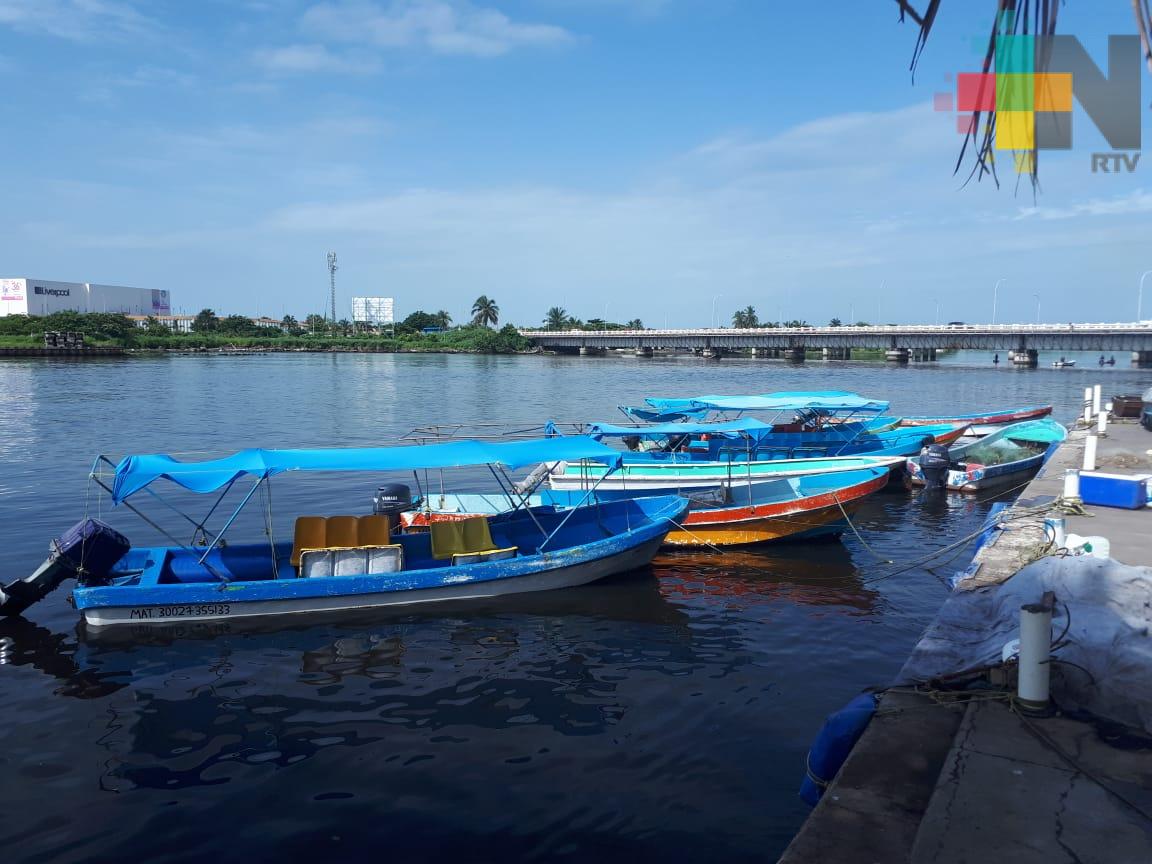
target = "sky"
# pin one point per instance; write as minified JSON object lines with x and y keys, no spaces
{"x":667,"y":160}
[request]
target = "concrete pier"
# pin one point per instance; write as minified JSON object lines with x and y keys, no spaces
{"x":794,"y":355}
{"x":949,"y":776}
{"x":837,"y":353}
{"x":1142,"y":359}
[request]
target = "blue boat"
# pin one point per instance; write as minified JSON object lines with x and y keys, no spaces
{"x":1011,"y":454}
{"x":825,"y":423}
{"x":345,"y":562}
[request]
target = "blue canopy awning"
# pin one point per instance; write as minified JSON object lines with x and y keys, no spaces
{"x":727,"y":429}
{"x":818,"y":400}
{"x":136,"y":472}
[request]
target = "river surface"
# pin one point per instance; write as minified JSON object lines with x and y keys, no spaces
{"x":660,"y":716}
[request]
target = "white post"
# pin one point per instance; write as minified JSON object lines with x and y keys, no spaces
{"x":1071,"y":485}
{"x":1035,"y":644}
{"x":1088,"y":412}
{"x":1102,"y":424}
{"x":1090,"y":444}
{"x":1096,"y":399}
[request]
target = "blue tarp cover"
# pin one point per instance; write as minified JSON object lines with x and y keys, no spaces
{"x":819,"y":400}
{"x":728,"y":429}
{"x":135,"y":472}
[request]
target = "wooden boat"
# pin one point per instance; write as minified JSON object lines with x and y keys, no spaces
{"x":347,"y":562}
{"x":1063,"y":364}
{"x":986,"y":422}
{"x":1004,"y":456}
{"x":794,"y":508}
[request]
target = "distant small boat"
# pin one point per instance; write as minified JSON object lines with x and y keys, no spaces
{"x":986,"y":422}
{"x":1062,"y":363}
{"x":1008,"y":454}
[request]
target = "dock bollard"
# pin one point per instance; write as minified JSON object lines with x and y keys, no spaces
{"x":1102,"y":424}
{"x":1034,"y":674}
{"x":1087,"y":405}
{"x":1090,"y":445}
{"x":1096,"y":399}
{"x":1071,"y":486}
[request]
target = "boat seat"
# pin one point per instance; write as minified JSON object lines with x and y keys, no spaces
{"x":319,"y":533}
{"x":342,"y":532}
{"x":375,"y":530}
{"x":310,"y":533}
{"x":460,"y":537}
{"x":490,"y":555}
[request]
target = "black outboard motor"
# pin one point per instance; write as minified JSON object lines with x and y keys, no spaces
{"x":88,"y":550}
{"x":934,"y":462}
{"x":391,"y":500}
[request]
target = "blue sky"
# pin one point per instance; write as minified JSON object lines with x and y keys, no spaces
{"x":640,"y":158}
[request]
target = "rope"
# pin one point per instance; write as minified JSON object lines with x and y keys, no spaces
{"x":1043,"y":737}
{"x":694,"y":536}
{"x":863,"y":542}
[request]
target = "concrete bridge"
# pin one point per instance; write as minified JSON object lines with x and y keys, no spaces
{"x":1021,"y":343}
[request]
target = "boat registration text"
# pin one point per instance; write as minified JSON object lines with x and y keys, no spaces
{"x":196,"y":610}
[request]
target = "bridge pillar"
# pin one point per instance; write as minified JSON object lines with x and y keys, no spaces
{"x":1028,"y":357}
{"x":643,"y":352}
{"x":794,"y":355}
{"x":712,"y":353}
{"x":1142,"y":359}
{"x":755,"y":352}
{"x":896,"y":355}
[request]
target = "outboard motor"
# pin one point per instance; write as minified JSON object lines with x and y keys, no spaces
{"x":391,"y":500}
{"x":88,"y":550}
{"x":934,"y":462}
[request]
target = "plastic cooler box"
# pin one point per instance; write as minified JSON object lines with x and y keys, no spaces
{"x":1129,"y":491}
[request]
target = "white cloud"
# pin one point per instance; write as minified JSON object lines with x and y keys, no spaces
{"x":77,"y":20}
{"x":442,"y":26}
{"x":309,"y":58}
{"x":1137,"y":201}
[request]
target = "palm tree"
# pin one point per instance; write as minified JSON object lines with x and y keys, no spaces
{"x":556,"y":318}
{"x":635,"y":324}
{"x":443,"y":319}
{"x":485,"y":312}
{"x":746,"y":318}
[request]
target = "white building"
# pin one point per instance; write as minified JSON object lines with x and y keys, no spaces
{"x":21,"y":296}
{"x":175,"y":323}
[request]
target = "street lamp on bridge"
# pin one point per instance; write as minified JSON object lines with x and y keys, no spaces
{"x":996,"y":297}
{"x":714,"y":299}
{"x":1140,"y":296}
{"x":1037,"y":296}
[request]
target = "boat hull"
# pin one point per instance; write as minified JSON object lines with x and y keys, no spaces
{"x":983,"y":424}
{"x":145,"y":613}
{"x":819,"y":515}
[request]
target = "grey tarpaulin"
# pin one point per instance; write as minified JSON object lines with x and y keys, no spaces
{"x":1110,"y":636}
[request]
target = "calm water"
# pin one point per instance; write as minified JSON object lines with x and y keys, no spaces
{"x":662,"y":716}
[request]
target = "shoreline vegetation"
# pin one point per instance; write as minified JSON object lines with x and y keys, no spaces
{"x":420,"y":332}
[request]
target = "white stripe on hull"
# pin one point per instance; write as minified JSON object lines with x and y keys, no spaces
{"x":564,"y":577}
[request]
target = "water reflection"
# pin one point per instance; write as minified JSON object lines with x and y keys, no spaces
{"x":809,"y":574}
